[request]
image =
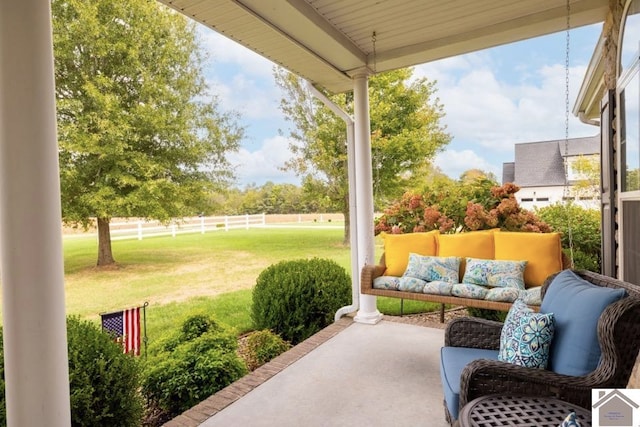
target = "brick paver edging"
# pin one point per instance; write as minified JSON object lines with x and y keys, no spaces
{"x":206,"y":409}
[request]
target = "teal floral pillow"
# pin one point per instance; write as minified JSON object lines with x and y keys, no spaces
{"x":526,"y":336}
{"x":466,"y":290}
{"x":386,"y":282}
{"x":570,"y":421}
{"x":531,"y":296}
{"x":431,"y":268}
{"x":410,"y":284}
{"x":437,"y":287}
{"x":503,"y":294}
{"x":495,"y":273}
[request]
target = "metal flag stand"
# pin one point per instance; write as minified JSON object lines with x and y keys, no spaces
{"x":144,"y":327}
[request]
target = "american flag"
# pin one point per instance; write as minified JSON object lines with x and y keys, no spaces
{"x":125,"y":325}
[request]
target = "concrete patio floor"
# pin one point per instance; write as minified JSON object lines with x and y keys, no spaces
{"x":348,"y":374}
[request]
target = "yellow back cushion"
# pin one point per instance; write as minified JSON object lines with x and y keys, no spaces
{"x":397,"y":248}
{"x":474,"y":244}
{"x":543,"y":252}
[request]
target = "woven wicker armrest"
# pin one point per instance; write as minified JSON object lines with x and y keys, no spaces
{"x":368,"y":274}
{"x":482,"y":377}
{"x":473,"y":332}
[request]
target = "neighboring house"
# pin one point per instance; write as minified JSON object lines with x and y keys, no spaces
{"x":539,"y":171}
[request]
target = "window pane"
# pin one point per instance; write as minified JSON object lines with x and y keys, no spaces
{"x":629,"y":137}
{"x":631,"y":230}
{"x":631,"y":36}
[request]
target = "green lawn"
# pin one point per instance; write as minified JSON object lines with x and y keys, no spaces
{"x":194,"y":273}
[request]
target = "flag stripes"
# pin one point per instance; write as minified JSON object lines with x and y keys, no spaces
{"x":125,"y":325}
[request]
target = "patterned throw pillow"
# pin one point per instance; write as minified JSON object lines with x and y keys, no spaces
{"x":386,"y":282}
{"x":410,"y":284}
{"x":531,"y":296}
{"x":466,"y":290}
{"x":430,"y":268}
{"x":570,"y":421}
{"x":503,"y":294}
{"x":526,"y":337}
{"x":437,"y":287}
{"x":489,"y":272}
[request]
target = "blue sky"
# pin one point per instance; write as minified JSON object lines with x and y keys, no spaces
{"x":492,"y":99}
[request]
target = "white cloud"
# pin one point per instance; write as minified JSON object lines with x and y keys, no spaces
{"x":252,"y":98}
{"x":223,"y":50}
{"x":265,"y":163}
{"x":242,"y":79}
{"x":454,"y":163}
{"x":492,"y":100}
{"x":488,"y":114}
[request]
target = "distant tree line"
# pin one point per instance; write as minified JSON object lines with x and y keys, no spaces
{"x":270,"y":198}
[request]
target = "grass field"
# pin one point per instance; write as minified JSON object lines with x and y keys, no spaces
{"x":194,"y":273}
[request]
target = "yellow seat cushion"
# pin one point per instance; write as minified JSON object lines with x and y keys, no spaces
{"x":543,"y":252}
{"x":397,"y":248}
{"x":474,"y":244}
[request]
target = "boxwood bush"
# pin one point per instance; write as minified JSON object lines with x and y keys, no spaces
{"x":261,"y":347}
{"x":296,"y":299}
{"x":104,"y":382}
{"x":190,"y":366}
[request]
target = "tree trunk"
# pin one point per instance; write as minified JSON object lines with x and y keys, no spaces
{"x":105,"y":256}
{"x":347,"y":222}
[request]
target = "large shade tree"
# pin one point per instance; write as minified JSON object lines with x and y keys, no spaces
{"x":406,"y":133}
{"x":140,"y":135}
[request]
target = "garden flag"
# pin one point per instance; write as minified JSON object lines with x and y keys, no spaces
{"x":125,"y":325}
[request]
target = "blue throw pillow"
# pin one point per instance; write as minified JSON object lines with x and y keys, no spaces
{"x":410,"y":284}
{"x":432,"y":268}
{"x":494,"y":273}
{"x":570,"y":421}
{"x":526,"y":337}
{"x":577,"y":306}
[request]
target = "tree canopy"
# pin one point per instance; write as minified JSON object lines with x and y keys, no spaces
{"x":406,"y":133}
{"x":140,"y":134}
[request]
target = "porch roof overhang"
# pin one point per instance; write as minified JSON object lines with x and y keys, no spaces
{"x":587,"y":104}
{"x":328,"y":41}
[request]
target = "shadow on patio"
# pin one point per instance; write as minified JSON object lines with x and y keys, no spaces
{"x":347,"y":374}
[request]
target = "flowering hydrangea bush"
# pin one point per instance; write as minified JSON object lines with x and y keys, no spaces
{"x":498,"y":209}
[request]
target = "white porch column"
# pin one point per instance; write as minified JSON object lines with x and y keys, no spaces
{"x":368,"y":312}
{"x":31,"y":261}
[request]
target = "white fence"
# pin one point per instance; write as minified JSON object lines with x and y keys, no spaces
{"x":140,"y":228}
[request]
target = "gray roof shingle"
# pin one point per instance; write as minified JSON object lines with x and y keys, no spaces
{"x":508,"y":172}
{"x":539,"y":164}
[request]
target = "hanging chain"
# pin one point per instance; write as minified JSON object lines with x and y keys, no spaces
{"x":566,"y":76}
{"x":567,"y":192}
{"x":374,"y":39}
{"x":376,"y":153}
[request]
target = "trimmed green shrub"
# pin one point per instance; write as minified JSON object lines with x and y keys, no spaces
{"x":262,"y":346}
{"x":585,"y":231}
{"x":298,"y":298}
{"x":104,"y":382}
{"x":191,"y":366}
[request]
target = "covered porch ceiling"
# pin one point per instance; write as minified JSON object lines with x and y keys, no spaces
{"x":327,"y":41}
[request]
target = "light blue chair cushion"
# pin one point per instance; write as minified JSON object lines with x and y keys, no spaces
{"x":452,"y":362}
{"x":576,"y":305}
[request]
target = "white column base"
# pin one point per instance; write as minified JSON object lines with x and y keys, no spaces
{"x":368,"y":313}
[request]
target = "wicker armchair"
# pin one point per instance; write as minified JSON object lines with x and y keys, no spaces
{"x":618,"y":335}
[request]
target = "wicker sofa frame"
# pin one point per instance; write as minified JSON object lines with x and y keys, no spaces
{"x":618,"y":336}
{"x":370,"y":272}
